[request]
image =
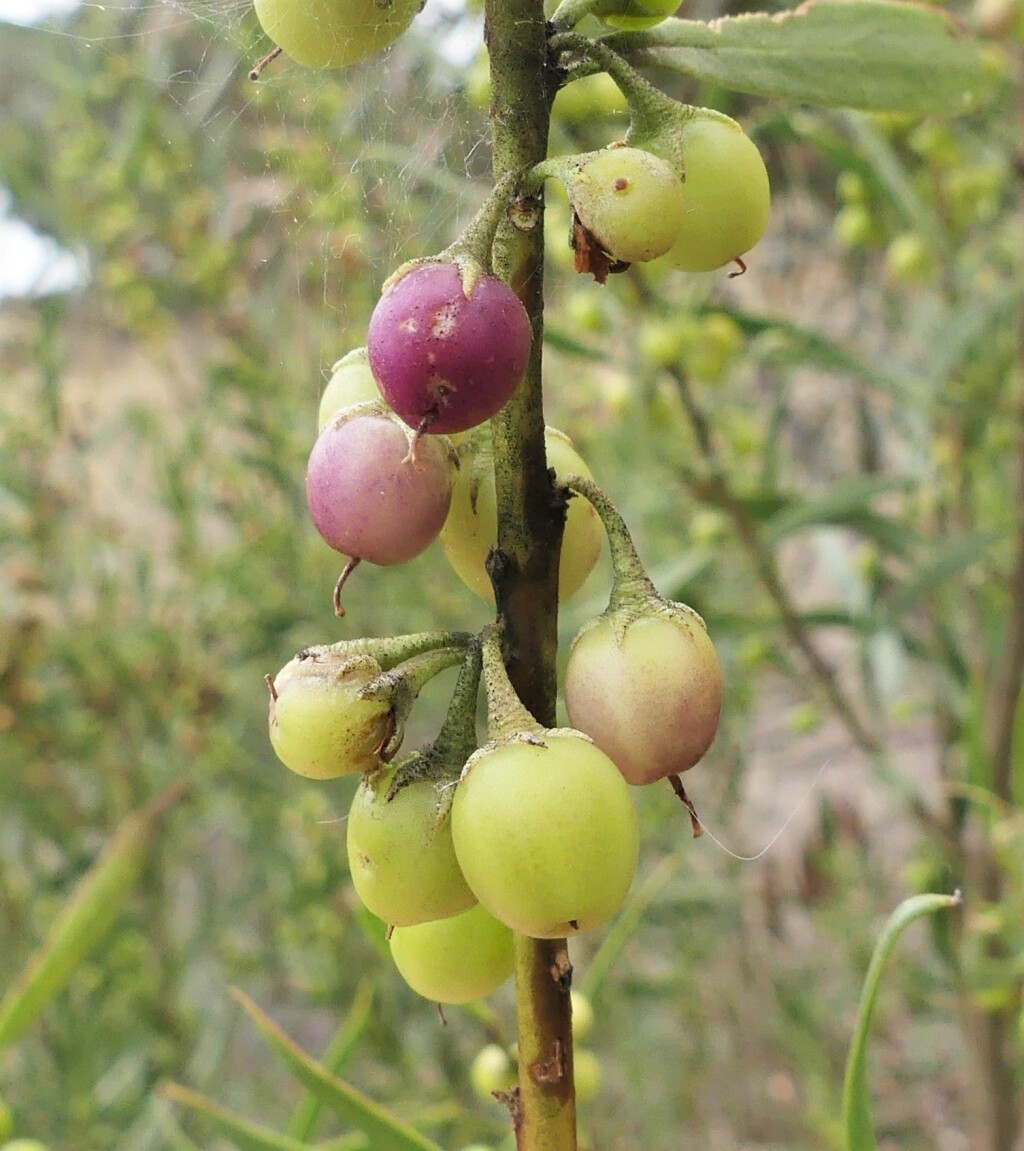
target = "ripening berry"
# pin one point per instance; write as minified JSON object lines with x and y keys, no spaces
{"x":647,"y":691}
{"x":371,"y":495}
{"x":448,"y":350}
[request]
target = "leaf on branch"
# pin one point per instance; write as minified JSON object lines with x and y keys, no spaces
{"x":385,"y":1132}
{"x":858,"y":1131}
{"x":873,"y":54}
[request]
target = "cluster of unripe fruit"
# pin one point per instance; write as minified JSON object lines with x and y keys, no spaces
{"x":458,"y":846}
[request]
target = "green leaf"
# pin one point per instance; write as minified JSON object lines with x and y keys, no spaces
{"x":807,"y":346}
{"x":871,"y":54}
{"x":335,"y":1057}
{"x":385,"y":1132}
{"x":561,"y":340}
{"x":845,"y":504}
{"x":856,"y":1122}
{"x":242,"y":1132}
{"x":84,"y":919}
{"x":945,"y":562}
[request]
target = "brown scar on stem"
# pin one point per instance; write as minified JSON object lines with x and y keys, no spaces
{"x":561,"y":968}
{"x":513,"y":1104}
{"x":742,"y":267}
{"x":552,"y":1069}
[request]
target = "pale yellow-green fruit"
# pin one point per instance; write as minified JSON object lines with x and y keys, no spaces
{"x":351,"y":383}
{"x":400,"y":853}
{"x":454,"y":960}
{"x":582,"y":1015}
{"x":546,"y":833}
{"x":726,"y":193}
{"x":332,"y":33}
{"x":639,"y":14}
{"x":591,"y":98}
{"x":319,"y":725}
{"x":471,"y":529}
{"x":630,"y":201}
{"x":587,"y":1073}
{"x":491,"y":1071}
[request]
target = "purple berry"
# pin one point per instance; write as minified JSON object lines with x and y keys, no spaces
{"x":368,"y":495}
{"x":446,"y":360}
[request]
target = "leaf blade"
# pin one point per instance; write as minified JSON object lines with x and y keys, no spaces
{"x":878,"y":55}
{"x":84,"y":918}
{"x":242,"y":1132}
{"x":858,"y":1131}
{"x":385,"y":1132}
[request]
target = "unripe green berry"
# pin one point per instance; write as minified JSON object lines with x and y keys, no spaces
{"x":320,"y":726}
{"x":491,"y":1071}
{"x":629,"y":200}
{"x":587,"y":1073}
{"x":351,"y":383}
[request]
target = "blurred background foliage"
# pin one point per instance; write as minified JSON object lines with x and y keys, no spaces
{"x":824,"y":457}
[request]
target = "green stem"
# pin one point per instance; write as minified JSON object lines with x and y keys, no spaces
{"x":524,"y":568}
{"x":456,"y":740}
{"x":648,"y":106}
{"x":631,"y":582}
{"x":389,"y":651}
{"x":477,"y":239}
{"x":570,"y":12}
{"x":506,"y":714}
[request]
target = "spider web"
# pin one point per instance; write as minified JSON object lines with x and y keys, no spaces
{"x":421,"y":165}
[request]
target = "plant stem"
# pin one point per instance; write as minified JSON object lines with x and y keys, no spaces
{"x":524,"y":568}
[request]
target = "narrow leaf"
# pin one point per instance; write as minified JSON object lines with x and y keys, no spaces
{"x":242,"y":1132}
{"x":872,"y":54}
{"x":385,"y":1132}
{"x":844,"y":504}
{"x":561,"y":340}
{"x":84,"y":919}
{"x":809,"y":346}
{"x":856,"y":1121}
{"x":335,"y":1057}
{"x":945,"y":562}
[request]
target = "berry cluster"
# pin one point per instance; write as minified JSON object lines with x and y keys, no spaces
{"x":458,"y":846}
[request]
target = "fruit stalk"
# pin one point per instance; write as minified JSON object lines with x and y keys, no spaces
{"x":631,"y":582}
{"x":530,"y":522}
